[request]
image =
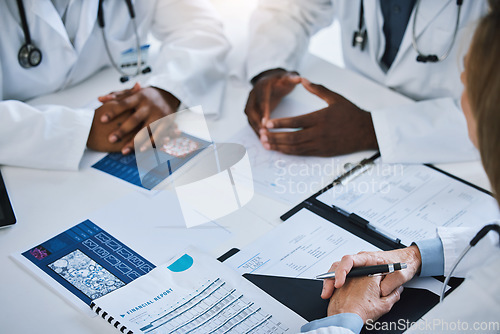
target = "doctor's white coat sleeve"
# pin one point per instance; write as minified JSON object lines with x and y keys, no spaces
{"x":46,"y":137}
{"x":191,"y":63}
{"x":454,"y":242}
{"x":280,"y":32}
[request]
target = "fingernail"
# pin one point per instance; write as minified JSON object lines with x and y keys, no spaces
{"x":113,"y":138}
{"x":269,"y":125}
{"x":104,"y":118}
{"x":267,"y":146}
{"x":126,"y":150}
{"x":264,"y":139}
{"x":263,"y":120}
{"x":262,"y":132}
{"x":304,"y":80}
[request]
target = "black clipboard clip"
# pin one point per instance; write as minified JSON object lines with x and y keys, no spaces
{"x":367,"y":227}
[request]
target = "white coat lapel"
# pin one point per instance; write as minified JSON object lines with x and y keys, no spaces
{"x":88,"y":20}
{"x":47,"y":13}
{"x":374,"y":25}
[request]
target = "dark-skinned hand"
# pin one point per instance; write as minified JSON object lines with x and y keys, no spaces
{"x":340,"y":128}
{"x":143,"y":105}
{"x":362,"y":296}
{"x":99,"y":132}
{"x":269,"y":89}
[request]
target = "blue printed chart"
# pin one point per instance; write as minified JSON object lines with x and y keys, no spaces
{"x":166,"y":160}
{"x":88,"y":261}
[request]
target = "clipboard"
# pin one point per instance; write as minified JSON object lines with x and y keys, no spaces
{"x":295,"y":293}
{"x":353,"y":222}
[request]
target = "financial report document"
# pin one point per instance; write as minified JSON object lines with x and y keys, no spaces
{"x":303,"y":246}
{"x":410,"y":201}
{"x":195,"y":293}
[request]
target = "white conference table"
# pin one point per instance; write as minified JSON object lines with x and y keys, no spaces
{"x":48,"y":202}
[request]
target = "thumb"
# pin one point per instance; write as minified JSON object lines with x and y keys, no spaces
{"x":319,"y":90}
{"x":136,"y":88}
{"x":116,"y":95}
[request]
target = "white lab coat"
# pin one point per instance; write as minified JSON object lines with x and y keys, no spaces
{"x":190,"y":66}
{"x":432,"y":130}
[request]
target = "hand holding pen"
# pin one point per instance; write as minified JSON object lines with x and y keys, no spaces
{"x":410,"y":256}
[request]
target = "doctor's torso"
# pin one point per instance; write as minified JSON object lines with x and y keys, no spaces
{"x":434,"y":33}
{"x":64,"y":62}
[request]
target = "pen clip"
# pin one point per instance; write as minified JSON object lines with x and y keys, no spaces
{"x":379,"y":274}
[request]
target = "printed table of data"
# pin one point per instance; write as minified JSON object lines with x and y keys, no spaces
{"x":215,"y":307}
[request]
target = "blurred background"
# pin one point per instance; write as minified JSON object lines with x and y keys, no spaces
{"x":236,"y":15}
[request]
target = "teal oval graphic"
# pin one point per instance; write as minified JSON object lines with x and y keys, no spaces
{"x":183,"y":263}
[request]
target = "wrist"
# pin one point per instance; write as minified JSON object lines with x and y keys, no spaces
{"x":415,"y":258}
{"x":368,"y":131}
{"x":169,"y":98}
{"x":336,"y":308}
{"x":271,"y":72}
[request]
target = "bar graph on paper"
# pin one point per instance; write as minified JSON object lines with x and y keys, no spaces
{"x":215,"y":307}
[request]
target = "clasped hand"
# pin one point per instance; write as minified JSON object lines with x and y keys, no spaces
{"x":369,"y":297}
{"x":338,"y":129}
{"x":124,"y":113}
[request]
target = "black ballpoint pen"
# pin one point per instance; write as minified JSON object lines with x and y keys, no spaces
{"x":381,"y":269}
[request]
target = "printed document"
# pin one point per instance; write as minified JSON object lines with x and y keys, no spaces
{"x":410,"y":201}
{"x":194,"y":293}
{"x":303,"y":246}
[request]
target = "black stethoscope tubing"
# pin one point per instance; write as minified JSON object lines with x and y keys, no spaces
{"x":360,"y":35}
{"x":31,"y":56}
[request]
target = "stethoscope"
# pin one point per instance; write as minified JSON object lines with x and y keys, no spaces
{"x":31,"y":56}
{"x":360,"y":36}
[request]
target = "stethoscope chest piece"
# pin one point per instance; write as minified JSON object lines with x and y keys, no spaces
{"x":29,"y":56}
{"x":359,"y":39}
